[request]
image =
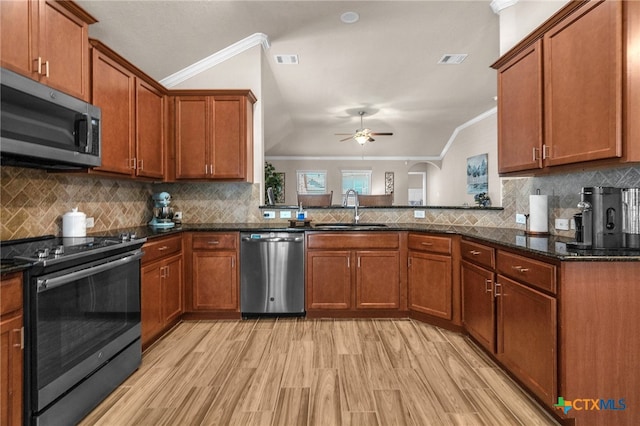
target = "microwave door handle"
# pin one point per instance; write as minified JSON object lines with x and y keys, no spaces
{"x":89,"y":148}
{"x":83,"y":131}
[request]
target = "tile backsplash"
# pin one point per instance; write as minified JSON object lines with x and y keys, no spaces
{"x":32,"y":202}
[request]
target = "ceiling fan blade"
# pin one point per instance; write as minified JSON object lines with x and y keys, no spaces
{"x":381,"y":134}
{"x":371,"y":139}
{"x":346,"y":139}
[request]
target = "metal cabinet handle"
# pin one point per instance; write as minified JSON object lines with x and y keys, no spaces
{"x":20,"y":344}
{"x":38,"y":64}
{"x":163,"y":248}
{"x":546,"y":152}
{"x":488,"y":286}
{"x":520,"y":269}
{"x":426,"y":244}
{"x":474,"y":252}
{"x":140,"y":164}
{"x":213,"y":242}
{"x":496,"y":292}
{"x":536,"y":151}
{"x":46,"y":69}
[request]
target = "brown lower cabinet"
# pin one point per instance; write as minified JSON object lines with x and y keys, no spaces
{"x":355,"y":273}
{"x":509,"y":316}
{"x":12,"y":349}
{"x":161,"y":286}
{"x":213,"y":272}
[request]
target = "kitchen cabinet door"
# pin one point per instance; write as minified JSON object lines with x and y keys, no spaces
{"x":520,"y":131}
{"x":19,"y":49}
{"x":193,"y":137}
{"x":150,"y":131}
{"x":113,"y":91}
{"x":151,"y":301}
{"x":172,"y":289}
{"x":215,"y":280}
{"x":527,"y":336}
{"x":11,"y":350}
{"x":430,"y":284}
{"x":583,"y":85}
{"x":478,"y":305}
{"x":47,"y":41}
{"x":11,"y":374}
{"x":328,"y":280}
{"x":378,"y":279}
{"x":64,"y":47}
{"x":228,"y":151}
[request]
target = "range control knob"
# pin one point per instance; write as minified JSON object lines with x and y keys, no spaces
{"x":59,"y":251}
{"x":42,"y":253}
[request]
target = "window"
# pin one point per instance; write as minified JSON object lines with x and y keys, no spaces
{"x":360,"y":180}
{"x":311,"y":181}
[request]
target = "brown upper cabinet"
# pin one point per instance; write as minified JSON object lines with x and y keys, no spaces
{"x":47,"y":41}
{"x":214,"y":135}
{"x":565,"y":92}
{"x":133,"y":116}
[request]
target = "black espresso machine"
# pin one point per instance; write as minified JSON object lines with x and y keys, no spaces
{"x":608,"y":218}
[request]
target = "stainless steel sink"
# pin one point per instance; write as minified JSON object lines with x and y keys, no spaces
{"x":346,"y":226}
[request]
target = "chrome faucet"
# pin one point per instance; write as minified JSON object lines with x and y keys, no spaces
{"x":356,"y":217}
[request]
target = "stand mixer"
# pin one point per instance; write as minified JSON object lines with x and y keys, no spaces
{"x":162,"y":213}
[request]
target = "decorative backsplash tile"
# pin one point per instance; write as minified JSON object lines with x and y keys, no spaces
{"x":32,"y":202}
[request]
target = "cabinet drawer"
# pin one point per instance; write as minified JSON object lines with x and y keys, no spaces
{"x":478,"y":253}
{"x":217,"y":241}
{"x":353,"y":240}
{"x":157,"y":248}
{"x":10,"y":294}
{"x":529,"y":271}
{"x":430,"y":243}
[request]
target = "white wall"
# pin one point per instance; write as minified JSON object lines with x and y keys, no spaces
{"x":447,"y":186}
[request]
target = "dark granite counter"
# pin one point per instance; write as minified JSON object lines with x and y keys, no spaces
{"x":552,"y":247}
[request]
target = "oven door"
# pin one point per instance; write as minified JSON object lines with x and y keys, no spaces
{"x":82,"y":317}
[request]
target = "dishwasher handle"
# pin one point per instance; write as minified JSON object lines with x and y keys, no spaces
{"x":273,"y":239}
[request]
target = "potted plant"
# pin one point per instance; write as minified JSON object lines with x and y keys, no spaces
{"x":273,"y":180}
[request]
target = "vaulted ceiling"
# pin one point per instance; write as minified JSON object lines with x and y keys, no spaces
{"x":386,"y":64}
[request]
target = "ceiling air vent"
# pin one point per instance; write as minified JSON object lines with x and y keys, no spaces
{"x":287,"y":59}
{"x":452,"y":58}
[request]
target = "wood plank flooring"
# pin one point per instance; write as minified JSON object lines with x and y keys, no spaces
{"x":295,"y":371}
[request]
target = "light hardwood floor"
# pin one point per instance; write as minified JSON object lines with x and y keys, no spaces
{"x":295,"y":371}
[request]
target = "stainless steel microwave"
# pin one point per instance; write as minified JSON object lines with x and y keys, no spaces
{"x":45,"y":128}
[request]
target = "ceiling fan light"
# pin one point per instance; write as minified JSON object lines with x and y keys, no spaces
{"x":361,"y":139}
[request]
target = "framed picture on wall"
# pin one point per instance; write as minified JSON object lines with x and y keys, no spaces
{"x":388,"y":182}
{"x":477,"y":174}
{"x":311,"y":181}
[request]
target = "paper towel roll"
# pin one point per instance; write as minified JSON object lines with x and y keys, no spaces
{"x":538,"y":214}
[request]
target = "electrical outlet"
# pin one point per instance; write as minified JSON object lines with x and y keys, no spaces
{"x":90,"y":223}
{"x":285,"y":214}
{"x":521,"y":219}
{"x":562,"y":224}
{"x":177,"y":215}
{"x":269,"y":214}
{"x":418,"y":214}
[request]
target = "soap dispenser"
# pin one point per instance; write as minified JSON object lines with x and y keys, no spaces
{"x":301,"y":215}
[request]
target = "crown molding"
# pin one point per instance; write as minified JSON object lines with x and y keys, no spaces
{"x":461,"y":127}
{"x":499,"y":5}
{"x":217,"y":58}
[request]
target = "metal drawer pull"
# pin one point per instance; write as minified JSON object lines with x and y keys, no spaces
{"x":520,"y":269}
{"x":487,"y":286}
{"x":497,"y":293}
{"x":213,"y":242}
{"x":427,"y":244}
{"x":163,"y":248}
{"x":474,"y":252}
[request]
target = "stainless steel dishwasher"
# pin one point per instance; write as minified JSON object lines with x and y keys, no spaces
{"x":272,"y":273}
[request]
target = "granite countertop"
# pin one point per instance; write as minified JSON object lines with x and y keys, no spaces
{"x":552,"y":247}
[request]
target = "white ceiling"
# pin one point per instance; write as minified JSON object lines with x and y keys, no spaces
{"x":385,"y":64}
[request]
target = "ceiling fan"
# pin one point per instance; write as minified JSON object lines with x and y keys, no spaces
{"x":362,"y":135}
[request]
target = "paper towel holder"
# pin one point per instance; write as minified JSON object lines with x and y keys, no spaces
{"x":529,"y":232}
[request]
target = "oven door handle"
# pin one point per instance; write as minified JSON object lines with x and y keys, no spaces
{"x":46,"y":284}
